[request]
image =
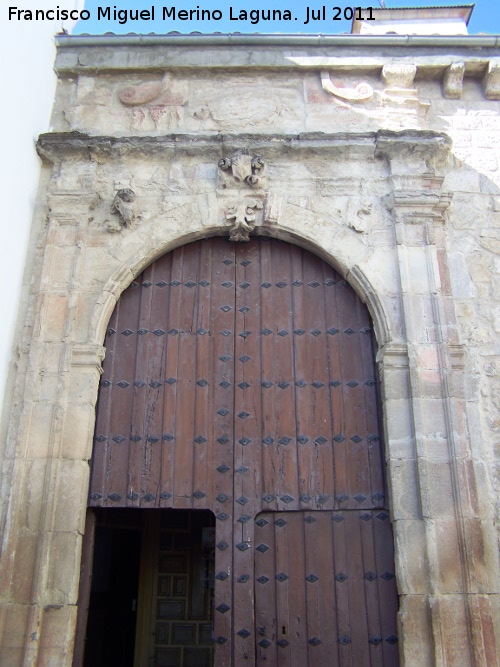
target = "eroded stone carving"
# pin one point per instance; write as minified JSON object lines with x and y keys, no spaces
{"x":358,"y":216}
{"x":399,"y":75}
{"x":124,"y":206}
{"x":241,"y":168}
{"x":244,"y":218}
{"x":492,"y":81}
{"x":361,"y":93}
{"x":399,"y":97}
{"x":142,"y":93}
{"x":453,"y":82}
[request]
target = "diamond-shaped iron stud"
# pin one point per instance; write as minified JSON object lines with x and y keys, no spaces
{"x":244,"y":633}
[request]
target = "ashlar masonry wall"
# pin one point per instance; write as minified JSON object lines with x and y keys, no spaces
{"x":381,"y":159}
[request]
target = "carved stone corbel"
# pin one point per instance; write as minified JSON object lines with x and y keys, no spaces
{"x":124,"y":206}
{"x":361,"y":93}
{"x":453,"y":82}
{"x":243,"y":217}
{"x":491,"y":81}
{"x":399,"y":75}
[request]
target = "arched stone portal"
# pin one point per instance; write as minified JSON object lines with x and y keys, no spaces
{"x":240,"y":378}
{"x":393,"y":251}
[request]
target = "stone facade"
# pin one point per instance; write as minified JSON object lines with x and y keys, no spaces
{"x":383,"y":160}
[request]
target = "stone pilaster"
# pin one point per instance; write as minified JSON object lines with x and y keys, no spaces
{"x":454,"y":548}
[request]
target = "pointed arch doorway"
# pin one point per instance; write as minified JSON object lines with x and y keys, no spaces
{"x":240,"y":379}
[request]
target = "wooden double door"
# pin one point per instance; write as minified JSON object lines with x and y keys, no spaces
{"x":240,"y":378}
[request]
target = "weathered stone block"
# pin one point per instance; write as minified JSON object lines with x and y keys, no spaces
{"x":62,"y":569}
{"x":403,"y":489}
{"x":412,"y":574}
{"x":415,"y":631}
{"x":55,"y":317}
{"x":436,"y":488}
{"x":71,"y":479}
{"x":451,"y":631}
{"x":24,"y":569}
{"x":14,"y":619}
{"x":78,"y":430}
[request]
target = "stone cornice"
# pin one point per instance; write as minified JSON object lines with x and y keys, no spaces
{"x":446,"y":59}
{"x":52,"y":147}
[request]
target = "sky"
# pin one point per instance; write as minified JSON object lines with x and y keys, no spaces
{"x":485,"y":17}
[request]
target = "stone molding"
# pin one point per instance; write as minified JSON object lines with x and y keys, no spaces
{"x":55,"y":146}
{"x":88,"y":356}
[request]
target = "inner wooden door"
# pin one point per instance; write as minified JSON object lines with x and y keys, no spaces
{"x":240,"y":378}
